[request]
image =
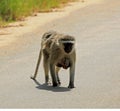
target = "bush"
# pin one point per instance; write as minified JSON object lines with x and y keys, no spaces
{"x":11,"y":10}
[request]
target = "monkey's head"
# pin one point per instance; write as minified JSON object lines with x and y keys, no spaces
{"x":67,"y":43}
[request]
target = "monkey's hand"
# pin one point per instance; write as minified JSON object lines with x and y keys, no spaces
{"x":71,"y":86}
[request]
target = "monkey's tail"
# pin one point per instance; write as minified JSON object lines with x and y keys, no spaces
{"x":38,"y":63}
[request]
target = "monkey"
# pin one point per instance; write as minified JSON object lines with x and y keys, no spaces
{"x":58,"y":52}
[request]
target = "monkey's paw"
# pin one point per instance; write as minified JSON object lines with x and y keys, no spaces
{"x":71,"y":86}
{"x":48,"y":82}
{"x":55,"y":84}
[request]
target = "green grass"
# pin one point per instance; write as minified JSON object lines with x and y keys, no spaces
{"x":12,"y":10}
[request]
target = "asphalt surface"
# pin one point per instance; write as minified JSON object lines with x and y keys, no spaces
{"x":97,"y":80}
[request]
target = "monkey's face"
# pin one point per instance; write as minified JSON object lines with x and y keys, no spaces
{"x":66,"y":43}
{"x":68,"y":47}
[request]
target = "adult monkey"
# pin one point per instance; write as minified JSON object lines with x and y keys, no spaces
{"x":58,"y":51}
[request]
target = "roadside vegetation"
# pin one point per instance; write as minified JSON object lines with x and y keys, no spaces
{"x":13,"y":10}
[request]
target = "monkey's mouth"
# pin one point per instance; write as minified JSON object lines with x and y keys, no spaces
{"x":68,"y":49}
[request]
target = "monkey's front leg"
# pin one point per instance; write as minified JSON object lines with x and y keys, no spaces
{"x":53,"y":75}
{"x":72,"y":74}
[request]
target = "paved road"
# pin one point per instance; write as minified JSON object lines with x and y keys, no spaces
{"x":97,"y":80}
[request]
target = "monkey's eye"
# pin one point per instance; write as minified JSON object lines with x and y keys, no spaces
{"x":68,"y":44}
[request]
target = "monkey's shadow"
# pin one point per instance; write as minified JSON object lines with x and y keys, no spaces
{"x":50,"y":88}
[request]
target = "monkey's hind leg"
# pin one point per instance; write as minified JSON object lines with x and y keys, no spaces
{"x":53,"y":75}
{"x":46,"y":67}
